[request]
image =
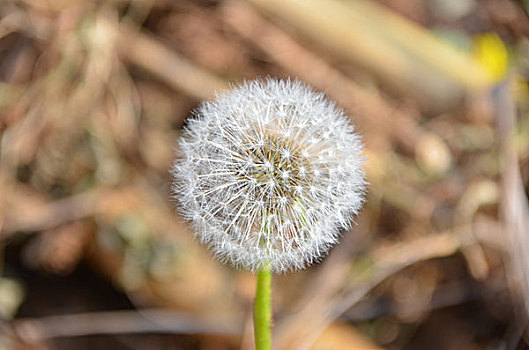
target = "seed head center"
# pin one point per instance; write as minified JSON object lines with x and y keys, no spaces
{"x":277,"y":168}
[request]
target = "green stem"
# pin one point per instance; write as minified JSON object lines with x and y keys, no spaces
{"x":262,"y":310}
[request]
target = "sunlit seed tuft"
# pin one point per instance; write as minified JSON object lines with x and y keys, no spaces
{"x":269,"y":173}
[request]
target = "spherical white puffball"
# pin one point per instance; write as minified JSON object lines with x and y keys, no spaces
{"x":268,"y":173}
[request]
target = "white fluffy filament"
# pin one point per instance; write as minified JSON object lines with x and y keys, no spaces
{"x":269,"y":173}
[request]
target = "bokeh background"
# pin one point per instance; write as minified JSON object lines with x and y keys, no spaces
{"x":93,"y":95}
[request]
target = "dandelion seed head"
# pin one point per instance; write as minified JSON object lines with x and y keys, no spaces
{"x":269,"y":173}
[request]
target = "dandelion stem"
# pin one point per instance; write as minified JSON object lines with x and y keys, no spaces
{"x":262,"y":310}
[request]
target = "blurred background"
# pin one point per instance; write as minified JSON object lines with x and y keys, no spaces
{"x":93,"y":95}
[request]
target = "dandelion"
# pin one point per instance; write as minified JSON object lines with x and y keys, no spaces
{"x":269,"y":173}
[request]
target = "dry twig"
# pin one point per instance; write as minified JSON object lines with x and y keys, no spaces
{"x":116,"y":322}
{"x":514,"y":204}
